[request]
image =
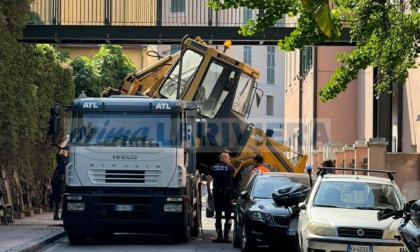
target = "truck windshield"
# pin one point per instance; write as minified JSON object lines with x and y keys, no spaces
{"x":126,"y":129}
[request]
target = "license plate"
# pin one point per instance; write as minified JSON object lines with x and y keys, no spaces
{"x":124,"y":208}
{"x":293,"y":225}
{"x":358,"y":248}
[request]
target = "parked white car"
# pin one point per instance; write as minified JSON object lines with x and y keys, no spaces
{"x":340,"y":214}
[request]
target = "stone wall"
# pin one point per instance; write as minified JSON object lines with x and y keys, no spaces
{"x":372,"y":155}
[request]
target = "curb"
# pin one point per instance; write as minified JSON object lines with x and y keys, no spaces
{"x":41,"y":243}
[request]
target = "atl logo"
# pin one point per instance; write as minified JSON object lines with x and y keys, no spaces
{"x":162,"y":106}
{"x":90,"y":105}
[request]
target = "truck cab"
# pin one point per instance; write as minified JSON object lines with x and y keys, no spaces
{"x":132,"y":168}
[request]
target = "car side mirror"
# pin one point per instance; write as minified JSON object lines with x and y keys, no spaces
{"x":243,"y":195}
{"x":302,"y":205}
{"x":290,"y":194}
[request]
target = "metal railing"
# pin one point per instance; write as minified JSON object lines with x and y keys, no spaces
{"x":140,"y":13}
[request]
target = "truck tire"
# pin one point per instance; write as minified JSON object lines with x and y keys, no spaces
{"x":76,"y":239}
{"x":185,"y":237}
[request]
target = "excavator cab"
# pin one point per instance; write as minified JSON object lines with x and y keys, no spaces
{"x":224,"y":89}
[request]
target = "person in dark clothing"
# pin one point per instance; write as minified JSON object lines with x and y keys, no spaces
{"x":327,"y":163}
{"x":222,"y":175}
{"x":57,"y":181}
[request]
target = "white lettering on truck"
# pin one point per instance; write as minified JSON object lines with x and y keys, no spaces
{"x":162,"y":106}
{"x":90,"y":105}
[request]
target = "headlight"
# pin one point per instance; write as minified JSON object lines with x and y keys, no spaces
{"x":75,"y":206}
{"x":255,"y":216}
{"x":267,"y":218}
{"x":320,"y":229}
{"x":172,"y":207}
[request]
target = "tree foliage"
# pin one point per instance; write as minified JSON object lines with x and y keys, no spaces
{"x":106,"y":69}
{"x":386,"y":34}
{"x":32,"y":78}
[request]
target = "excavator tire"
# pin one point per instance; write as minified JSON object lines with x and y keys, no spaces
{"x":240,"y":180}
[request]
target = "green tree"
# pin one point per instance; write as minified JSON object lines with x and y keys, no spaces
{"x":32,"y":78}
{"x":106,"y":69}
{"x":85,"y":77}
{"x":386,"y":34}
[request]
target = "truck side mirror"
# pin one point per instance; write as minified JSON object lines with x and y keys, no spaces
{"x":54,"y":125}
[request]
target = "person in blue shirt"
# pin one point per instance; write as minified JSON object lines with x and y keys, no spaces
{"x":222,"y":176}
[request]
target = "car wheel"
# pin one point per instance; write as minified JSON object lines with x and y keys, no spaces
{"x":236,"y":238}
{"x":76,"y":239}
{"x":245,"y":242}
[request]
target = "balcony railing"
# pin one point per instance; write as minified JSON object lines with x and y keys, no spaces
{"x":140,"y":13}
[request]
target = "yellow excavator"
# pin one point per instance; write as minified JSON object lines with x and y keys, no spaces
{"x":224,"y":89}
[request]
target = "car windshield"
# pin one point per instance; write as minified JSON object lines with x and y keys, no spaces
{"x":264,"y":187}
{"x":358,"y":195}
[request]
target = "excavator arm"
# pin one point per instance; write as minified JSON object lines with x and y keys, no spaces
{"x":256,"y":142}
{"x":146,"y":81}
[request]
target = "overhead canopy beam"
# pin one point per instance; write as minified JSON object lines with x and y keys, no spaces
{"x":76,"y":34}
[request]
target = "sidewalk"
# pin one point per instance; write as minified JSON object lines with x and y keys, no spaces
{"x":31,"y":233}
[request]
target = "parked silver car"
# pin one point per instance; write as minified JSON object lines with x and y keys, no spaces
{"x":340,"y":214}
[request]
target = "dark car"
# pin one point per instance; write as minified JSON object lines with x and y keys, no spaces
{"x":259,"y":220}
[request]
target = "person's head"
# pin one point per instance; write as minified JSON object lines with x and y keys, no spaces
{"x":225,"y":157}
{"x":258,"y":160}
{"x":328,"y":163}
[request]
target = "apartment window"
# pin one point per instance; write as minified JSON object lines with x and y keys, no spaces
{"x":306,"y":59}
{"x":270,"y":105}
{"x":270,"y":64}
{"x":247,"y":55}
{"x":177,"y":5}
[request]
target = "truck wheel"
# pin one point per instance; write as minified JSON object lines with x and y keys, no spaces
{"x":183,"y":238}
{"x":76,"y":239}
{"x":186,"y":235}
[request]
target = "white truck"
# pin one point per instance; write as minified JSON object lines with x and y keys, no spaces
{"x":131,"y":167}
